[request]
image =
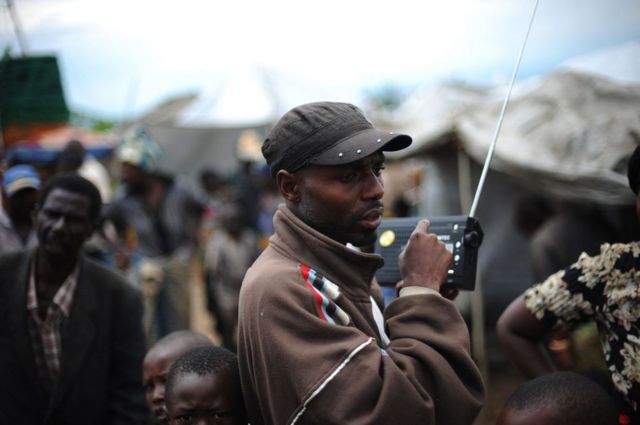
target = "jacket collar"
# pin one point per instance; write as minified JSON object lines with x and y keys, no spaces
{"x":77,"y":334}
{"x":17,"y":319}
{"x":350,"y":269}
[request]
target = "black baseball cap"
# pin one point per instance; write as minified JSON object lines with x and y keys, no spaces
{"x":325,"y":133}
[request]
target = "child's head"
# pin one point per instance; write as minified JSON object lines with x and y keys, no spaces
{"x":560,"y":398}
{"x":156,"y":366}
{"x":204,"y":384}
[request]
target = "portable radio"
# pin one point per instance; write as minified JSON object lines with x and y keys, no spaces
{"x":461,"y":235}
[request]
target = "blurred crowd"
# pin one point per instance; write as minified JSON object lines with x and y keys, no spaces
{"x":155,"y":228}
{"x":573,"y":335}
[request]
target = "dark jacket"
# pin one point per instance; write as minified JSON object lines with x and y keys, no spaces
{"x":102,"y":344}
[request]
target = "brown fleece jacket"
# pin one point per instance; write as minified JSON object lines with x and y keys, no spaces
{"x":310,"y":351}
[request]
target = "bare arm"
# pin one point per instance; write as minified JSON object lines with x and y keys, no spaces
{"x":521,"y":335}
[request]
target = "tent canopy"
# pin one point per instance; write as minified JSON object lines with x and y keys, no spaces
{"x":571,"y":132}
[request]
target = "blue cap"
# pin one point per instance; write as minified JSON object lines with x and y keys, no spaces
{"x":20,"y":177}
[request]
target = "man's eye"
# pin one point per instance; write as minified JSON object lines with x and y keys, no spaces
{"x":219,"y":414}
{"x":184,"y":419}
{"x":51,"y":215}
{"x":348,"y":178}
{"x":378,"y":170}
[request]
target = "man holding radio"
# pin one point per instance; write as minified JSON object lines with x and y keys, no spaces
{"x":313,"y":344}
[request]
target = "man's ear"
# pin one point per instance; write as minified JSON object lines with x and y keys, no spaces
{"x":289,"y":186}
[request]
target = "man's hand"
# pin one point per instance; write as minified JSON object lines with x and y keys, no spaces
{"x":424,"y":261}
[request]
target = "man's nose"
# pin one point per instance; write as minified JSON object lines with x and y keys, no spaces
{"x":158,"y":393}
{"x":373,"y":186}
{"x":60,"y":223}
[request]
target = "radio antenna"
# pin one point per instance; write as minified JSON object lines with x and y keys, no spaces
{"x":492,"y":147}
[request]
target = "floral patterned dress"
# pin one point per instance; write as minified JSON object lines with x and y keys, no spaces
{"x":606,"y":289}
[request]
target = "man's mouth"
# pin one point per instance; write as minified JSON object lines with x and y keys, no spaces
{"x":55,"y":244}
{"x":160,"y":414}
{"x":372,"y":219}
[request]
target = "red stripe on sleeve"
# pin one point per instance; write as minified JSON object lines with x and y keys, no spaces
{"x":305,"y":275}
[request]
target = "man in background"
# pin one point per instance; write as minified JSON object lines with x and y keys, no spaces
{"x":74,"y":159}
{"x":158,"y":219}
{"x":70,"y":329}
{"x":20,"y":186}
{"x":228,"y":254}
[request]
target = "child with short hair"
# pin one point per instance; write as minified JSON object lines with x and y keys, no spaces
{"x":559,"y":398}
{"x":156,"y":366}
{"x":204,"y":384}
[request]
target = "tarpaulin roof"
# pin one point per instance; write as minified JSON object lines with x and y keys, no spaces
{"x":568,"y":135}
{"x":571,"y":136}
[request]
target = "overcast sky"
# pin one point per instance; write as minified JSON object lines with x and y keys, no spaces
{"x":122,"y":57}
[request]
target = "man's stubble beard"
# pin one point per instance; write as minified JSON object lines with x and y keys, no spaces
{"x":307,"y":212}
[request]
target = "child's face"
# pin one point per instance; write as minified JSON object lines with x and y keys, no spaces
{"x":154,"y":374}
{"x":205,"y":399}
{"x":526,"y":417}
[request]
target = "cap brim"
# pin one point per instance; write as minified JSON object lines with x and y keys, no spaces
{"x":20,"y":184}
{"x":361,"y":145}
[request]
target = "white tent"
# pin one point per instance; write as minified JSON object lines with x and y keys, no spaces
{"x":243,"y":100}
{"x":571,"y":132}
{"x":203,"y":130}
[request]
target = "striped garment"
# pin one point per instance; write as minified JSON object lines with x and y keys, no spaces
{"x":325,"y":294}
{"x":46,"y":334}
